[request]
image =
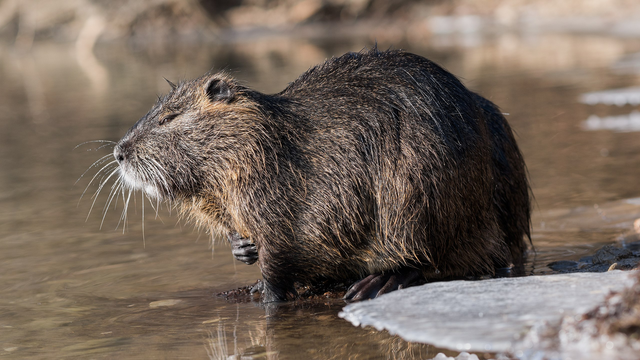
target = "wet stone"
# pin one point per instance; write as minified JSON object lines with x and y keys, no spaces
{"x":610,"y":254}
{"x":603,"y":260}
{"x":586,"y":259}
{"x":563,"y":265}
{"x":633,"y":246}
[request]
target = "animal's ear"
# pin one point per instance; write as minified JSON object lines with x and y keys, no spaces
{"x":219,"y":90}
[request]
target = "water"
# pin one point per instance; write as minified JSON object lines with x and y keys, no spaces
{"x":69,"y":288}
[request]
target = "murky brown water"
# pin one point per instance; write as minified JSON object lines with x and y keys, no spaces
{"x":70,"y":289}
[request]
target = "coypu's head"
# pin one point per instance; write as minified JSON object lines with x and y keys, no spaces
{"x":181,"y":146}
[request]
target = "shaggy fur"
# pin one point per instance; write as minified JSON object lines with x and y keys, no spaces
{"x":369,"y":163}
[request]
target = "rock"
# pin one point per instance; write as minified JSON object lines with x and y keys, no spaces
{"x":489,"y":315}
{"x":563,"y":265}
{"x":586,"y":259}
{"x":633,"y":244}
{"x":610,"y":254}
{"x":605,"y":259}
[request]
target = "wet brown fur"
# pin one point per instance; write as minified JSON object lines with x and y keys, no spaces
{"x":369,"y":163}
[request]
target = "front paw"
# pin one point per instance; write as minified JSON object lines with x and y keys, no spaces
{"x":243,"y":249}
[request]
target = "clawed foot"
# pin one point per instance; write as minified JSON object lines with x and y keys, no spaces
{"x":375,"y":285}
{"x":257,"y":288}
{"x":272,"y":294}
{"x":243,"y":249}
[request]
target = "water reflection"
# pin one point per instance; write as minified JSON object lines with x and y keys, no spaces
{"x":620,"y":97}
{"x":619,"y":123}
{"x":70,"y":289}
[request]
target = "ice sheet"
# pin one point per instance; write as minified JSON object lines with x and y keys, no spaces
{"x":488,"y":315}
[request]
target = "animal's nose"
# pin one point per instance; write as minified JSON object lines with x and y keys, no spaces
{"x":118,"y":153}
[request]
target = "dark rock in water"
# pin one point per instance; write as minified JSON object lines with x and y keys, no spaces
{"x":633,"y":246}
{"x":609,"y":257}
{"x":610,"y":254}
{"x":563,"y":265}
{"x":586,"y":259}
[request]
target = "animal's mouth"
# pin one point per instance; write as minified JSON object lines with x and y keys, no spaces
{"x":133,"y":178}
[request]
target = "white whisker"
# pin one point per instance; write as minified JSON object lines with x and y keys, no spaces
{"x":144,"y":240}
{"x":123,"y":217}
{"x":95,"y":141}
{"x":155,"y":207}
{"x":213,"y":247}
{"x":112,"y":194}
{"x":149,"y":176}
{"x":95,"y":197}
{"x":105,"y":167}
{"x":161,"y":174}
{"x":105,"y":145}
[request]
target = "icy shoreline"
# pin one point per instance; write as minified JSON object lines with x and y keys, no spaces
{"x":494,"y":315}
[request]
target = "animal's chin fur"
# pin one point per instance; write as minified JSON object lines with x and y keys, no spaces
{"x":132,"y":181}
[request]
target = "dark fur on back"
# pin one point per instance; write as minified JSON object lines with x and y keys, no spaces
{"x":368,"y":163}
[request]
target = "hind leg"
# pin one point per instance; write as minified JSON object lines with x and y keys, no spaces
{"x":242,"y":248}
{"x":375,"y":285}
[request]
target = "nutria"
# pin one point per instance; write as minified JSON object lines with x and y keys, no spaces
{"x":378,"y":165}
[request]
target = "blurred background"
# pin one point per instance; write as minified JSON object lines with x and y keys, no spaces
{"x":84,"y":283}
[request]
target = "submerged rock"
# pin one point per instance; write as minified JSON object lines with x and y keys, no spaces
{"x":564,"y":266}
{"x":492,"y":315}
{"x":610,"y":254}
{"x":608,"y":257}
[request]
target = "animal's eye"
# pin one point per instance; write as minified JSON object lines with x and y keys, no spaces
{"x":167,"y":118}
